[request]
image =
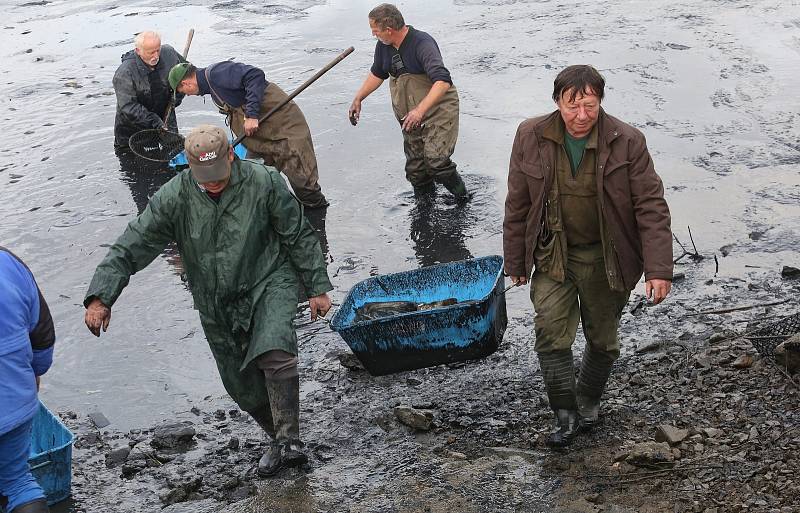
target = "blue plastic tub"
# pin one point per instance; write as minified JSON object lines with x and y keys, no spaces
{"x":51,"y":455}
{"x":180,"y":159}
{"x":472,"y":328}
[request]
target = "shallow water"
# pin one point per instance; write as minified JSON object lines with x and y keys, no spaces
{"x":709,"y":82}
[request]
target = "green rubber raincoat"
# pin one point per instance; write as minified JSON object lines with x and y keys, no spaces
{"x":245,"y":258}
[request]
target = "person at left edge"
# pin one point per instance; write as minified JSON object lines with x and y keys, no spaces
{"x":26,"y":352}
{"x":244,"y":95}
{"x":246,"y":248}
{"x":142,"y":89}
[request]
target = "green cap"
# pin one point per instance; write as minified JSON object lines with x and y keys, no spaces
{"x":177,"y":73}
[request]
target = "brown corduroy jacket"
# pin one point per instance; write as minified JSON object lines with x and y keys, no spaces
{"x":630,"y":193}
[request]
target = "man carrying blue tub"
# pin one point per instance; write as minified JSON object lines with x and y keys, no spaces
{"x":26,"y":352}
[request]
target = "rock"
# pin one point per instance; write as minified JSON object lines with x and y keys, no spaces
{"x":790,"y":273}
{"x":744,"y":361}
{"x":787,"y":353}
{"x":174,"y":496}
{"x":117,"y":456}
{"x":651,"y":454}
{"x":233,"y":444}
{"x":712,"y":432}
{"x":219,"y":414}
{"x":350,"y":362}
{"x":717,"y":337}
{"x":671,"y":434}
{"x":417,"y":419}
{"x":132,"y":467}
{"x":173,"y":436}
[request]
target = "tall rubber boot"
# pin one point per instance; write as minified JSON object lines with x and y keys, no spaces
{"x":558,"y":372}
{"x":286,"y":450}
{"x":37,"y":506}
{"x":453,"y":183}
{"x":595,"y":370}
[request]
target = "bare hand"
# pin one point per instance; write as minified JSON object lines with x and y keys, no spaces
{"x":97,"y":316}
{"x":354,"y":112}
{"x":656,"y":290}
{"x":413,"y":120}
{"x":519,"y":280}
{"x":250,"y":126}
{"x":319,"y":305}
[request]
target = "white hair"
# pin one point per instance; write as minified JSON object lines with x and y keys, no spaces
{"x":141,"y":37}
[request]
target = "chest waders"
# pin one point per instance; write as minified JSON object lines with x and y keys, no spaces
{"x":428,"y":149}
{"x":284,"y":142}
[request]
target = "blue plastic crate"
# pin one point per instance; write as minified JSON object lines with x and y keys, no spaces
{"x":180,"y":159}
{"x":469,"y":329}
{"x":51,"y":455}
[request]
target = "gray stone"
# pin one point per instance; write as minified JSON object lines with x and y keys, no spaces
{"x":651,"y":454}
{"x":671,"y":434}
{"x":173,"y":436}
{"x":417,"y":419}
{"x":117,"y":456}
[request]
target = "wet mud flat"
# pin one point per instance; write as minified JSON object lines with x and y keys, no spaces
{"x":705,"y":80}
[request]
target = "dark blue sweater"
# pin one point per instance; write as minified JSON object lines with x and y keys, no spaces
{"x":234,"y":84}
{"x":418,"y":54}
{"x":26,"y":341}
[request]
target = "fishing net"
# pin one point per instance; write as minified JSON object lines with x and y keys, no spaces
{"x":156,"y":144}
{"x":765,"y":339}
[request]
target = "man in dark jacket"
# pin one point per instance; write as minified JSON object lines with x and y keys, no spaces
{"x":424,"y":100}
{"x":26,"y":352}
{"x":242,"y":93}
{"x":585,"y":217}
{"x":142,"y":89}
{"x":245,"y":248}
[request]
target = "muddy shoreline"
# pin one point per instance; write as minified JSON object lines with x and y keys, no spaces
{"x":707,"y":81}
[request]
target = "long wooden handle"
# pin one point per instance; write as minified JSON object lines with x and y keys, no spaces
{"x":299,"y":90}
{"x":171,"y":103}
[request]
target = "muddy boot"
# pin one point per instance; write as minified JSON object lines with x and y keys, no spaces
{"x":425,"y":191}
{"x":287,"y":449}
{"x":559,"y":380}
{"x":453,"y":183}
{"x":37,"y":506}
{"x":595,"y":370}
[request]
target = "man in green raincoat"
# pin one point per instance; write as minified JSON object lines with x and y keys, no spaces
{"x":246,"y":249}
{"x":424,"y":100}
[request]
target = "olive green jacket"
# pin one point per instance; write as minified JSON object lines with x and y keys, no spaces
{"x":231,"y":250}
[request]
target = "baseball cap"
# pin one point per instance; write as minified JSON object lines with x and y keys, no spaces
{"x":177,"y":73}
{"x":207,"y":153}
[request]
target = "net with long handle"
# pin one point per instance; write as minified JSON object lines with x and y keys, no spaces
{"x":156,"y":144}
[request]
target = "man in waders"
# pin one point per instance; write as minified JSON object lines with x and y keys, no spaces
{"x":246,"y":248}
{"x":26,"y":352}
{"x":242,"y":93}
{"x":142,"y":89}
{"x":424,"y":99}
{"x":585,"y":216}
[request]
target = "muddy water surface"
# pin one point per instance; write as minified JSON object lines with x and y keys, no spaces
{"x":709,"y":82}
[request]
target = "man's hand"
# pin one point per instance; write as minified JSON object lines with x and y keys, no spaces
{"x":250,"y":126}
{"x":354,"y":112}
{"x":319,"y":305}
{"x":519,"y":280}
{"x":656,"y":290}
{"x":413,"y":119}
{"x":97,"y":316}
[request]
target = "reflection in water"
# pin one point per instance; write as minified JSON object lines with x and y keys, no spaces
{"x":144,"y":178}
{"x":437,"y":229}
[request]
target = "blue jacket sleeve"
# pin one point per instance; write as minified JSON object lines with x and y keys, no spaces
{"x":254,"y":83}
{"x":430,"y":57}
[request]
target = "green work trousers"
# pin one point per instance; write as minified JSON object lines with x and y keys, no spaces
{"x":584,"y":295}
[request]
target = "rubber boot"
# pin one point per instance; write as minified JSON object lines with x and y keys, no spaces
{"x":558,"y":372}
{"x":286,"y":450}
{"x":595,"y":370}
{"x":37,"y":506}
{"x":453,"y":183}
{"x":425,"y":191}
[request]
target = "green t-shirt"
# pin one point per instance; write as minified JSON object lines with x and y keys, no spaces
{"x":574,"y":148}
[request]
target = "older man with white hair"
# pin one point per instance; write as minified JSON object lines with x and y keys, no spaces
{"x":142,"y":90}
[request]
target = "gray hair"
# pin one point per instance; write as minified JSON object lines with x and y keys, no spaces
{"x":387,"y":16}
{"x":141,"y":37}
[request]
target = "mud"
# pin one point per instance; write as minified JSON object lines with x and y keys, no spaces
{"x":709,"y":83}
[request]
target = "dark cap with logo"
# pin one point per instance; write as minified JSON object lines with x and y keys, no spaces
{"x":207,"y":152}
